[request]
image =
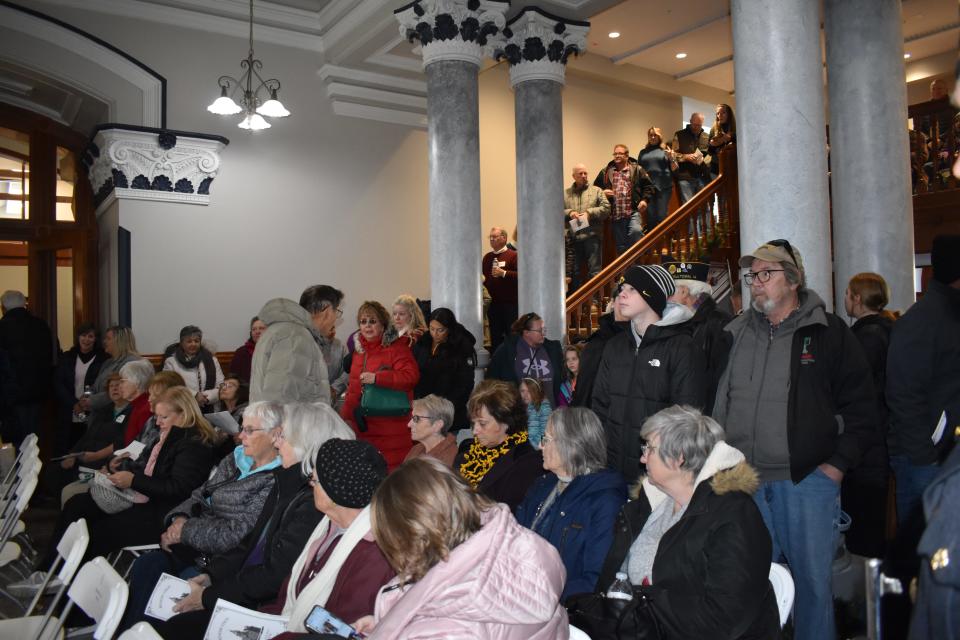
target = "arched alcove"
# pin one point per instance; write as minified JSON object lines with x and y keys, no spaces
{"x":61,"y":72}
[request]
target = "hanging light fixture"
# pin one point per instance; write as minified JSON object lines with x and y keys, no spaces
{"x":251,"y":106}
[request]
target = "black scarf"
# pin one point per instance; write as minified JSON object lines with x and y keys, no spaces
{"x":202,"y":357}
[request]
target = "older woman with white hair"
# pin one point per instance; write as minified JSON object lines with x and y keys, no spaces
{"x":574,"y":506}
{"x":430,"y":423}
{"x":134,"y":382}
{"x":218,"y":514}
{"x":693,"y":543}
{"x":251,"y":573}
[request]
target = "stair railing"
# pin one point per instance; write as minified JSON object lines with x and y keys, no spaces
{"x":690,"y":232}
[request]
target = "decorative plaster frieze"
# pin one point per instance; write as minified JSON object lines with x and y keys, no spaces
{"x":152,"y":164}
{"x":538,"y":44}
{"x":465,"y":30}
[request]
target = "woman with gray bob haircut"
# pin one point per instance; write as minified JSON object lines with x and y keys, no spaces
{"x":430,"y":422}
{"x":307,"y":426}
{"x":574,"y":506}
{"x":694,"y":542}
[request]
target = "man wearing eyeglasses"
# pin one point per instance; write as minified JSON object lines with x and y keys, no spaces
{"x":796,"y":397}
{"x":629,"y":189}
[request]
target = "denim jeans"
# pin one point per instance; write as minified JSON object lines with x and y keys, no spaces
{"x":803,"y":521}
{"x":627,"y":231}
{"x":657,"y":211}
{"x":586,"y":251}
{"x":911,"y":480}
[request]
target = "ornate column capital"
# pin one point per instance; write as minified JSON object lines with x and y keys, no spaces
{"x":465,"y":30}
{"x":152,"y":164}
{"x":538,"y":44}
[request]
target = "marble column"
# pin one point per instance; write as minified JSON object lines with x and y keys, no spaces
{"x":781,"y":132}
{"x":869,"y":147}
{"x":454,"y":36}
{"x":537,"y":47}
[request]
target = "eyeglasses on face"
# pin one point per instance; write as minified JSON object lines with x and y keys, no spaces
{"x":541,"y":330}
{"x":364,"y":321}
{"x":416,"y":419}
{"x":249,"y":431}
{"x":760,"y":276}
{"x":647,"y":449}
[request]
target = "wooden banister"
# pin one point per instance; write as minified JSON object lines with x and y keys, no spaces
{"x":686,"y":234}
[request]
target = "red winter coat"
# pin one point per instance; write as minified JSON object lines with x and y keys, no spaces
{"x":396,"y":368}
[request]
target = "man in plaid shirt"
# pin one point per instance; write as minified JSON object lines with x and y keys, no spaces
{"x":629,"y":189}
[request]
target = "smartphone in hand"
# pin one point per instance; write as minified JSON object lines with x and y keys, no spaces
{"x":322,"y":621}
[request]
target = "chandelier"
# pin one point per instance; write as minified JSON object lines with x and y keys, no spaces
{"x":251,"y":104}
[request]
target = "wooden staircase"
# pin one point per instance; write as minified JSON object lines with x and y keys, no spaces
{"x":706,"y":225}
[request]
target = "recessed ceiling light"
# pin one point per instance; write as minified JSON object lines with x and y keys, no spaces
{"x":906,"y":56}
{"x":614,"y":34}
{"x":681,"y":56}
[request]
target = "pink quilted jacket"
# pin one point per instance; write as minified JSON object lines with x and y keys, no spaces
{"x":504,"y":583}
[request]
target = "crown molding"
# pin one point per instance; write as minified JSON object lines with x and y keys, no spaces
{"x":286,"y":26}
{"x":381,"y":114}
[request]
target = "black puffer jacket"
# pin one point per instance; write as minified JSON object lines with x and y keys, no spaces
{"x":289,"y":518}
{"x":708,"y":334}
{"x":447,"y":373}
{"x":710,"y":572}
{"x":590,"y":359}
{"x":873,"y":332}
{"x":635,"y":382}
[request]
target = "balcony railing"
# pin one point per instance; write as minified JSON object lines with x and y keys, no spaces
{"x":707,"y":224}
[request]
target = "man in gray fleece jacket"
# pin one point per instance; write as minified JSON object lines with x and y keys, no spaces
{"x":797,"y":398}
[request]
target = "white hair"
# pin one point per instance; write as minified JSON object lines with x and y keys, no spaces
{"x":13,"y":299}
{"x":696,"y":287}
{"x":139,"y":372}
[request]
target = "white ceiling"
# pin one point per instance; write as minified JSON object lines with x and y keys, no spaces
{"x":651,"y":34}
{"x":370,"y":71}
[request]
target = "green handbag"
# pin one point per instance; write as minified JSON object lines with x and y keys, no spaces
{"x":379,"y":402}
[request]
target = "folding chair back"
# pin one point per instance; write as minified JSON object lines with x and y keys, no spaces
{"x":102,"y":594}
{"x":783,"y":589}
{"x":18,"y":505}
{"x":70,"y":552}
{"x":140,"y":631}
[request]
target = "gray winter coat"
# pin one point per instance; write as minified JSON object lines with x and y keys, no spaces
{"x":223,"y":510}
{"x":287,"y":363}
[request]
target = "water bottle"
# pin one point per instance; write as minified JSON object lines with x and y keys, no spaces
{"x":81,"y":416}
{"x":620,"y":589}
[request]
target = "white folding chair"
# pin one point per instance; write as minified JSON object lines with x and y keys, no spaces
{"x":29,"y":459}
{"x":783,"y":589}
{"x":19,"y":501}
{"x":135,"y":551}
{"x":11,"y":516}
{"x":97,"y":589}
{"x":578,"y":634}
{"x":70,"y":552}
{"x":29,"y":443}
{"x":140,"y":631}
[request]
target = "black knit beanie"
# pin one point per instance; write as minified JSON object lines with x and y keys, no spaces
{"x":350,"y":471}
